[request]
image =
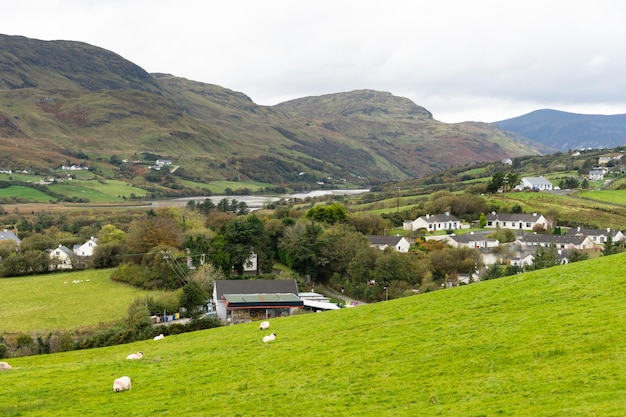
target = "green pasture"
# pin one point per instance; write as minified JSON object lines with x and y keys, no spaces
{"x":606,"y":196}
{"x":546,"y":343}
{"x":54,"y":302}
{"x":97,"y":192}
{"x":22,"y":193}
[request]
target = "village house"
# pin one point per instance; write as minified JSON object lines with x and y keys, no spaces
{"x":433,"y":222}
{"x":87,"y":248}
{"x":566,"y":241}
{"x":596,"y":174}
{"x":598,"y":236}
{"x":536,"y":183}
{"x":516,"y":221}
{"x":398,"y":243}
{"x":472,"y":240}
{"x":61,"y":258}
{"x":241,"y":300}
{"x":10,"y":236}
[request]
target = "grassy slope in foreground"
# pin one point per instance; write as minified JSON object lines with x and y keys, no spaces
{"x":550,"y":342}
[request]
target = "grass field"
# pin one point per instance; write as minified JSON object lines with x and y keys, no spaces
{"x":546,"y":343}
{"x":606,"y":196}
{"x":53,"y":302}
{"x":25,"y":193}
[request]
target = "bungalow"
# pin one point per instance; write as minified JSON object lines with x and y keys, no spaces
{"x":566,"y":241}
{"x":536,"y":183}
{"x":240,"y":300}
{"x":87,"y":248}
{"x":472,"y":240}
{"x":61,"y":258}
{"x":398,"y":243}
{"x":433,"y":223}
{"x":598,"y":236}
{"x":515,"y":221}
{"x":596,"y":174}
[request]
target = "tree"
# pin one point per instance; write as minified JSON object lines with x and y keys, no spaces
{"x":330,"y":214}
{"x":545,"y":258}
{"x":193,"y":298}
{"x":482,"y":221}
{"x":244,"y":236}
{"x":299,"y":248}
{"x":152,"y":230}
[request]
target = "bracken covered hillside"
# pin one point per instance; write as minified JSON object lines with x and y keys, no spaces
{"x":69,"y":101}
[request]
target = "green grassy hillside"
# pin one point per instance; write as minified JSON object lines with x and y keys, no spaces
{"x":547,"y":343}
{"x":56,"y":302}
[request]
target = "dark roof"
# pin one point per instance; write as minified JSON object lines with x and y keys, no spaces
{"x":562,"y":239}
{"x":439,"y":218}
{"x":592,"y":232}
{"x":384,"y":240}
{"x":508,"y":217}
{"x":255,"y":286}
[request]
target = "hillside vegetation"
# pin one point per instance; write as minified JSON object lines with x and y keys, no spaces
{"x":549,"y":342}
{"x":64,"y":101}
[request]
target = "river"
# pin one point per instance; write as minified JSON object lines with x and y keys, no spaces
{"x":255,"y":202}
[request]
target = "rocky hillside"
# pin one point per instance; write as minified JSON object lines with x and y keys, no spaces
{"x":63,"y":101}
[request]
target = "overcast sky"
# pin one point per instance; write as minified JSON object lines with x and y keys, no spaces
{"x":462,"y":60}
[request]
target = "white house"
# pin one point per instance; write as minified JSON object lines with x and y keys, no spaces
{"x":596,"y":174}
{"x":87,"y":248}
{"x":515,"y":221}
{"x":536,"y":183}
{"x":472,"y":240}
{"x":61,"y":258}
{"x":433,"y":223}
{"x":598,"y":236}
{"x":566,"y":241}
{"x":399,"y":243}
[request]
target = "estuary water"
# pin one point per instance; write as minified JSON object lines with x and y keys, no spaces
{"x":255,"y":202}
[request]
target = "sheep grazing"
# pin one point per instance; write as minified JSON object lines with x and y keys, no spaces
{"x":121,"y":384}
{"x":137,"y":355}
{"x":269,"y":338}
{"x":159,"y":337}
{"x":4,"y":366}
{"x":264,"y":325}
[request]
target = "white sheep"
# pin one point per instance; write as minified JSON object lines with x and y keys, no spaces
{"x":4,"y":366}
{"x":269,"y":338}
{"x":159,"y":337}
{"x":121,"y":384}
{"x":137,"y":355}
{"x":264,"y":325}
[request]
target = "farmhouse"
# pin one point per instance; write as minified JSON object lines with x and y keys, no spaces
{"x":61,"y":258}
{"x":596,"y":174}
{"x":433,"y":223}
{"x":87,"y":248}
{"x":536,"y":183}
{"x":515,"y":221}
{"x":241,"y":300}
{"x":398,"y":243}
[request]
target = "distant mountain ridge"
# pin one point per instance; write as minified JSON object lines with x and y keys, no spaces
{"x":65,"y":101}
{"x":564,"y":131}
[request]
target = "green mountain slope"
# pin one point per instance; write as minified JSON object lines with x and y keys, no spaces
{"x":549,"y":342}
{"x":62,"y":100}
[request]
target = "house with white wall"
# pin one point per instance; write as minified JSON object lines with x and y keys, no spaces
{"x":61,"y":258}
{"x":433,"y":222}
{"x":536,"y":183}
{"x":515,"y":221}
{"x":87,"y":248}
{"x":398,"y":243}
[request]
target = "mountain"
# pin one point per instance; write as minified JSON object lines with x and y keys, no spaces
{"x":565,"y":131}
{"x":65,"y":101}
